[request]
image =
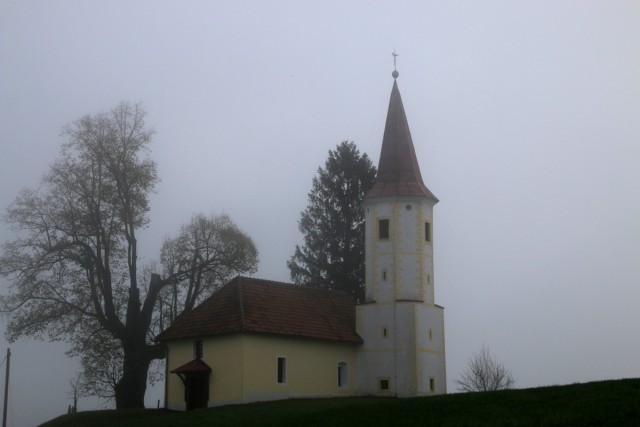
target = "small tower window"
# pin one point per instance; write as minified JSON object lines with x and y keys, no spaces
{"x":432,"y":385}
{"x":427,"y":232}
{"x":383,"y":229}
{"x":384,"y":384}
{"x":430,"y":334}
{"x":384,"y":274}
{"x":385,"y":332}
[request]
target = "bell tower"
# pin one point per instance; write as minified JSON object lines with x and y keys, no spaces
{"x":403,"y":329}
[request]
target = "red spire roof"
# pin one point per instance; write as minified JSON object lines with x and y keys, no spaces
{"x":398,"y":170}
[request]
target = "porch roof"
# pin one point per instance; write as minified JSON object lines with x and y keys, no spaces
{"x":192,"y":367}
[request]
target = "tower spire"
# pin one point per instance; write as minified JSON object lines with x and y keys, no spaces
{"x":399,"y":282}
{"x":398,"y":170}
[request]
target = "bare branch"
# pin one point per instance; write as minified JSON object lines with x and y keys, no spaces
{"x":484,"y":373}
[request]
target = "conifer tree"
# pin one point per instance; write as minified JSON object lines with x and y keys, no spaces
{"x":332,"y":256}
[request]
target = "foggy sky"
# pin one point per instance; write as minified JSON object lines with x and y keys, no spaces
{"x":525,"y":120}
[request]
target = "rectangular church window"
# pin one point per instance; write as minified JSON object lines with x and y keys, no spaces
{"x":198,"y":349}
{"x":383,"y":229}
{"x":282,"y":370}
{"x":384,"y":384}
{"x":427,"y":232}
{"x":432,"y":385}
{"x":343,"y":375}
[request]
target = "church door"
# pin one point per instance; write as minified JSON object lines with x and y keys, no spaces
{"x":196,"y":390}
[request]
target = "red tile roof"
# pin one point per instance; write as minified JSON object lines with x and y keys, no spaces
{"x":398,"y":170}
{"x":193,"y":366}
{"x":248,"y":305}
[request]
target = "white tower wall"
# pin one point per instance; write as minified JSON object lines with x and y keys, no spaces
{"x":402,"y":328}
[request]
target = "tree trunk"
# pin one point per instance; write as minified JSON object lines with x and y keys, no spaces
{"x":133,"y":384}
{"x":138,"y":354}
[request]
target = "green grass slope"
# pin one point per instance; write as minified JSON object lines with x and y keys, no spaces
{"x":605,"y":403}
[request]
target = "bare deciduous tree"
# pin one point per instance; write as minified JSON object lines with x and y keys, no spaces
{"x":73,"y":267}
{"x":76,"y":391}
{"x":484,"y":373}
{"x":206,"y":254}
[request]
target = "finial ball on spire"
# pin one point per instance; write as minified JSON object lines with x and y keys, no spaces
{"x":395,"y":73}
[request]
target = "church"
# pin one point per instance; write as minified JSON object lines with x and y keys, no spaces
{"x":257,"y":340}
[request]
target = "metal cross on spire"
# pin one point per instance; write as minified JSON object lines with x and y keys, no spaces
{"x":395,"y":73}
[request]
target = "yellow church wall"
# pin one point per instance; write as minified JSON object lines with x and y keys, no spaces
{"x":179,"y":353}
{"x":311,"y":367}
{"x":244,"y":368}
{"x":224,"y":357}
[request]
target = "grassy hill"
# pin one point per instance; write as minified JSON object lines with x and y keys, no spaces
{"x":605,"y":403}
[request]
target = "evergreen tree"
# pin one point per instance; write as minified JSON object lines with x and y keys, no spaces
{"x":332,"y":256}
